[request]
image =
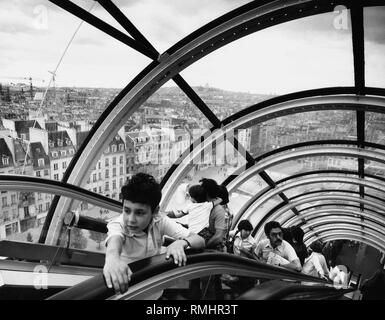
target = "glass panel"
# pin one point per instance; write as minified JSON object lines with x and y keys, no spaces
{"x":276,"y":61}
{"x":262,"y":210}
{"x":375,"y":168}
{"x":310,"y":164}
{"x":218,"y":163}
{"x":298,"y":191}
{"x":165,"y":22}
{"x":374,"y":129}
{"x":302,"y":127}
{"x":38,"y":131}
{"x":22,"y":215}
{"x":374,"y":25}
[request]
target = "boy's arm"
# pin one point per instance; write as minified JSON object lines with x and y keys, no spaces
{"x":116,"y":271}
{"x":175,"y":214}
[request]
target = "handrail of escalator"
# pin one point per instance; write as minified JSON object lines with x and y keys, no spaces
{"x":278,"y":290}
{"x":96,"y":289}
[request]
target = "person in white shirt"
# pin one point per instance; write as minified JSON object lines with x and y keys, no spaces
{"x":312,"y":265}
{"x":244,"y":244}
{"x":276,"y":251}
{"x":317,"y":247}
{"x":198,"y":211}
{"x":138,"y":232}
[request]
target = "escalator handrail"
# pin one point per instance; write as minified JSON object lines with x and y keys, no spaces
{"x":96,"y":288}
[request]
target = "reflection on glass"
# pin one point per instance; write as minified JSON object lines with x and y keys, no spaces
{"x":374,"y":18}
{"x":22,"y":214}
{"x":217,"y":162}
{"x":375,"y":168}
{"x":88,"y":239}
{"x":302,"y":127}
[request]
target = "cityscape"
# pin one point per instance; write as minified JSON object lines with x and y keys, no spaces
{"x":42,"y":129}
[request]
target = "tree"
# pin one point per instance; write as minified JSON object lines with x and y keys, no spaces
{"x":98,"y":237}
{"x":78,"y":240}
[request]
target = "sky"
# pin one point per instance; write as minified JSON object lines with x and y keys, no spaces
{"x":307,"y":53}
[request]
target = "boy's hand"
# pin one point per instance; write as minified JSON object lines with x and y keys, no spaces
{"x":117,"y":274}
{"x":176,"y":250}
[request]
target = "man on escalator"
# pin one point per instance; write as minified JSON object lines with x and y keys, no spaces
{"x":276,"y":251}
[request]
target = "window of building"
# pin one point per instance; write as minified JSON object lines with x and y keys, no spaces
{"x":94,"y":177}
{"x":106,"y":162}
{"x":68,"y":142}
{"x":99,"y":165}
{"x":120,"y":182}
{"x":59,"y":142}
{"x":113,"y":148}
{"x":4,"y":201}
{"x":95,"y":190}
{"x":46,"y":206}
{"x":26,"y":212}
{"x":64,"y":164}
{"x":121,"y":147}
{"x":40,"y":208}
{"x":107,"y":188}
{"x":56,"y":176}
{"x":5,"y":161}
{"x":107,"y":150}
{"x":107,"y":174}
{"x":55,"y":166}
{"x":13,"y":199}
{"x":63,"y":153}
{"x":38,"y":173}
{"x":71,"y":151}
{"x":54,"y":154}
{"x":39,"y":196}
{"x":114,"y":161}
{"x":121,"y":170}
{"x":113,"y":184}
{"x":46,"y":172}
{"x":100,"y":176}
{"x":114,"y":172}
{"x":40,"y":162}
{"x":11,"y":229}
{"x":121,"y":160}
{"x":100,"y":189}
{"x":51,"y":145}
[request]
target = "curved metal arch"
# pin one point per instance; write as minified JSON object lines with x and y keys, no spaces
{"x":333,"y":206}
{"x":336,"y":191}
{"x":347,"y":222}
{"x":330,"y":236}
{"x":308,"y":152}
{"x":258,"y":230}
{"x":251,"y":205}
{"x":168,"y":65}
{"x":297,"y":220}
{"x":374,"y":237}
{"x":33,"y":184}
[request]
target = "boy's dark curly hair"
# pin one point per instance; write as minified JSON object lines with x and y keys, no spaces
{"x":142,"y":188}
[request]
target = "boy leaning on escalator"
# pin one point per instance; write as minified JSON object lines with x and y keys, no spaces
{"x":138,"y":232}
